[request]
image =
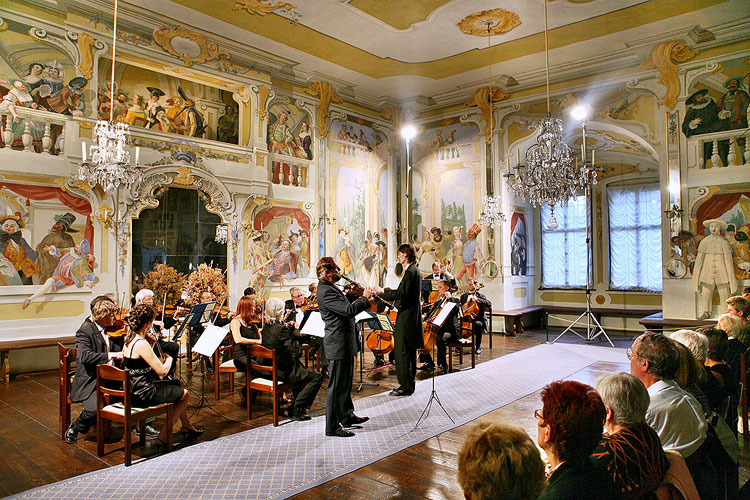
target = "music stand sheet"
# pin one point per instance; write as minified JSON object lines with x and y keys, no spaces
{"x":210,"y":340}
{"x":385,"y":322}
{"x":363,"y":316}
{"x":444,"y":312}
{"x":313,"y":324}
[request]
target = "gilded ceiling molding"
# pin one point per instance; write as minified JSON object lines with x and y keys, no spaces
{"x":325,"y":93}
{"x":263,"y":94}
{"x":86,"y":45}
{"x":498,"y":20}
{"x":261,"y":7}
{"x":3,"y":24}
{"x":664,"y":57}
{"x":187,"y":41}
{"x":483,"y":99}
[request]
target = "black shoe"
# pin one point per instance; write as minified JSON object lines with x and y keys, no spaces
{"x":299,"y":416}
{"x":478,"y":352}
{"x":71,"y":435}
{"x":354,"y":420}
{"x":340,"y":432}
{"x":400,"y":392}
{"x":192,"y":433}
{"x":379,"y":361}
{"x":151,"y":433}
{"x":427,"y":367}
{"x":443,"y":370}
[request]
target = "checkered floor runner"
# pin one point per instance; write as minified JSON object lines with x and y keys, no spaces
{"x":275,"y":463}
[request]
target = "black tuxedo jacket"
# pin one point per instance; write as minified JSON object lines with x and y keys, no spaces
{"x":483,"y":303}
{"x":92,"y":351}
{"x":341,"y":340}
{"x":409,"y":319}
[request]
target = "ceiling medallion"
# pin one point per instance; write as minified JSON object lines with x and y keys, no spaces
{"x":261,"y":7}
{"x":499,"y":21}
{"x":188,"y":45}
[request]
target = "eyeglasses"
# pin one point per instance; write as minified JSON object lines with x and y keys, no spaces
{"x":538,"y":414}
{"x":630,"y":354}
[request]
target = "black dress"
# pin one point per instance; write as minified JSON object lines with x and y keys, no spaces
{"x":146,"y":389}
{"x":240,"y":351}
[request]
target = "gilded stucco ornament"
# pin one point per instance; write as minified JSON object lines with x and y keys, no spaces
{"x":188,"y":45}
{"x":483,"y":99}
{"x":263,"y":93}
{"x":86,"y":44}
{"x":324,"y":91}
{"x":664,"y":57}
{"x":498,"y":20}
{"x":261,"y":7}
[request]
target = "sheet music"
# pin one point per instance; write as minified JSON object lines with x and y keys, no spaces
{"x":444,"y":312}
{"x":314,"y":325}
{"x":210,"y":340}
{"x":363,"y":316}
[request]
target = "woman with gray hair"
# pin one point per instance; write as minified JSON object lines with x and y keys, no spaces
{"x":630,"y":451}
{"x":706,"y":382}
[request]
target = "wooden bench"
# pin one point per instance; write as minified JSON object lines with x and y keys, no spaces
{"x":513,"y":323}
{"x":657,"y":322}
{"x":11,"y":345}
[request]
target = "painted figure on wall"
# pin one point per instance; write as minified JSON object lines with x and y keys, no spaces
{"x":455,"y":253}
{"x":739,"y":241}
{"x":281,"y":138}
{"x":136,"y":114}
{"x":343,"y":252}
{"x":60,"y":239}
{"x":734,"y":103}
{"x":16,"y":250}
{"x":284,"y":263}
{"x":703,"y":117}
{"x":75,"y":267}
{"x":472,"y":254}
{"x":20,"y":95}
{"x":228,"y":127}
{"x":156,"y":114}
{"x":305,"y":140}
{"x":714,"y":268}
{"x":518,"y":245}
{"x":194,"y":124}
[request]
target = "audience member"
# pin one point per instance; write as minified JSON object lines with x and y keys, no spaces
{"x":709,"y":386}
{"x":500,"y":458}
{"x":739,"y":306}
{"x":718,"y":344}
{"x":630,"y":451}
{"x":732,"y":324}
{"x":569,"y":427}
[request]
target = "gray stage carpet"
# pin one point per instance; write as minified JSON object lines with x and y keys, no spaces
{"x":275,"y":463}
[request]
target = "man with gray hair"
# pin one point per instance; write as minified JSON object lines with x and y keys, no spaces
{"x":630,"y":452}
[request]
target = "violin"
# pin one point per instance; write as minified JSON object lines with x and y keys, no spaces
{"x":119,"y":325}
{"x":222,"y":310}
{"x":358,"y":290}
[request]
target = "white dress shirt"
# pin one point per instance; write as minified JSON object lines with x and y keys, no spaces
{"x":677,"y":417}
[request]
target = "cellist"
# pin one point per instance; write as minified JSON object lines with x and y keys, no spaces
{"x":479,"y":322}
{"x":449,"y":331}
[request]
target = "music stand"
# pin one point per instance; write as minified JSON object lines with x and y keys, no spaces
{"x":381,"y":322}
{"x":438,"y":316}
{"x":209,"y":341}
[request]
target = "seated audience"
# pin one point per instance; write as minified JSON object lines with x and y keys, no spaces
{"x":145,"y":369}
{"x":244,"y":333}
{"x":569,"y":427}
{"x":709,"y":386}
{"x":732,"y":324}
{"x":718,"y":344}
{"x":500,"y":458}
{"x":630,"y":451}
{"x":281,"y":337}
{"x":739,"y":306}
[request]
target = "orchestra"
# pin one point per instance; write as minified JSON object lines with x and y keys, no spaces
{"x":412,"y":307}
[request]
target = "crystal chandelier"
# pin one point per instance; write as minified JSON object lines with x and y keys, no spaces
{"x":551,"y":175}
{"x":221,"y":234}
{"x":492,"y":206}
{"x":109,"y":166}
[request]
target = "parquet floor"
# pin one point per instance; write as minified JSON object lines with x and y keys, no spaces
{"x":32,"y":453}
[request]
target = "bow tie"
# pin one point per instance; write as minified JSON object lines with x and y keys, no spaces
{"x":5,"y":237}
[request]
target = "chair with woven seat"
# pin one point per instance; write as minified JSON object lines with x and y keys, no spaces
{"x":224,"y":367}
{"x":269,"y":382}
{"x":66,"y":370}
{"x":107,"y":377}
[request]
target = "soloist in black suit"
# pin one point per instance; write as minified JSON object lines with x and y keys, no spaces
{"x":92,"y":351}
{"x":341,"y":344}
{"x":407,"y":332}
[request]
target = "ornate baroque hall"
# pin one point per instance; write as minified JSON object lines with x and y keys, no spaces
{"x":565,"y":176}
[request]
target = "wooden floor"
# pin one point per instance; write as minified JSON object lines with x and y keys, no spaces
{"x":32,"y":453}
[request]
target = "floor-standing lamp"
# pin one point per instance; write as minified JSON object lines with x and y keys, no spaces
{"x":408,"y":132}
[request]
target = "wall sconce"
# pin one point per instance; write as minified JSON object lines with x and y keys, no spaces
{"x":324,"y":219}
{"x":674,"y":212}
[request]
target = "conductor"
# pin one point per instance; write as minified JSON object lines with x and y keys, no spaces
{"x":341,"y":344}
{"x":408,"y":332}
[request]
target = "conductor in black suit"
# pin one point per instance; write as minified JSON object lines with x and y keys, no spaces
{"x":341,"y":344}
{"x":408,"y":330}
{"x":94,"y":348}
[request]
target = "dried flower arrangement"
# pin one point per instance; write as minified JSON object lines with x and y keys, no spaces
{"x":205,"y":278}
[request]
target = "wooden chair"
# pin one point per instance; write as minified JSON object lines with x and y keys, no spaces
{"x":65,"y":379}
{"x":270,"y":383}
{"x":225,"y":367}
{"x":123,"y":412}
{"x":466,"y":340}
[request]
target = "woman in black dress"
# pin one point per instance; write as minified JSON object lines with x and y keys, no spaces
{"x":145,"y":369}
{"x":244,"y":333}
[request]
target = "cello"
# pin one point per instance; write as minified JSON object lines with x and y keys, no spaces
{"x":470,"y":308}
{"x":429,"y":328}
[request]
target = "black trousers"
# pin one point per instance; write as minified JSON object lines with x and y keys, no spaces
{"x":478,"y":328}
{"x":87,"y":418}
{"x":171,"y":349}
{"x":406,"y":364}
{"x":339,"y":405}
{"x":305,"y":390}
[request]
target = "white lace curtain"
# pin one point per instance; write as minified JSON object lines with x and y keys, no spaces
{"x":635,"y":237}
{"x":564,"y":249}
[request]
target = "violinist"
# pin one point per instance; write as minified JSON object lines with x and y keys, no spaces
{"x":293,"y":312}
{"x":449,"y":331}
{"x":94,"y":347}
{"x":196,"y":331}
{"x":408,"y":330}
{"x":479,"y":322}
{"x":158,"y":331}
{"x":145,"y":369}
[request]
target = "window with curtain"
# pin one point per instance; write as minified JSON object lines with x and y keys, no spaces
{"x":564,"y":249}
{"x":635,"y":237}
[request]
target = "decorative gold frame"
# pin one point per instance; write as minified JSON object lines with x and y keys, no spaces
{"x":497,"y":20}
{"x":209,"y":50}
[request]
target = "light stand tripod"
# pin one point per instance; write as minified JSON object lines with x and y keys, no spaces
{"x":594,"y":329}
{"x":433,"y":397}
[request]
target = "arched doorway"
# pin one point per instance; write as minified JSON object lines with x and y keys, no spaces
{"x":179,"y":232}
